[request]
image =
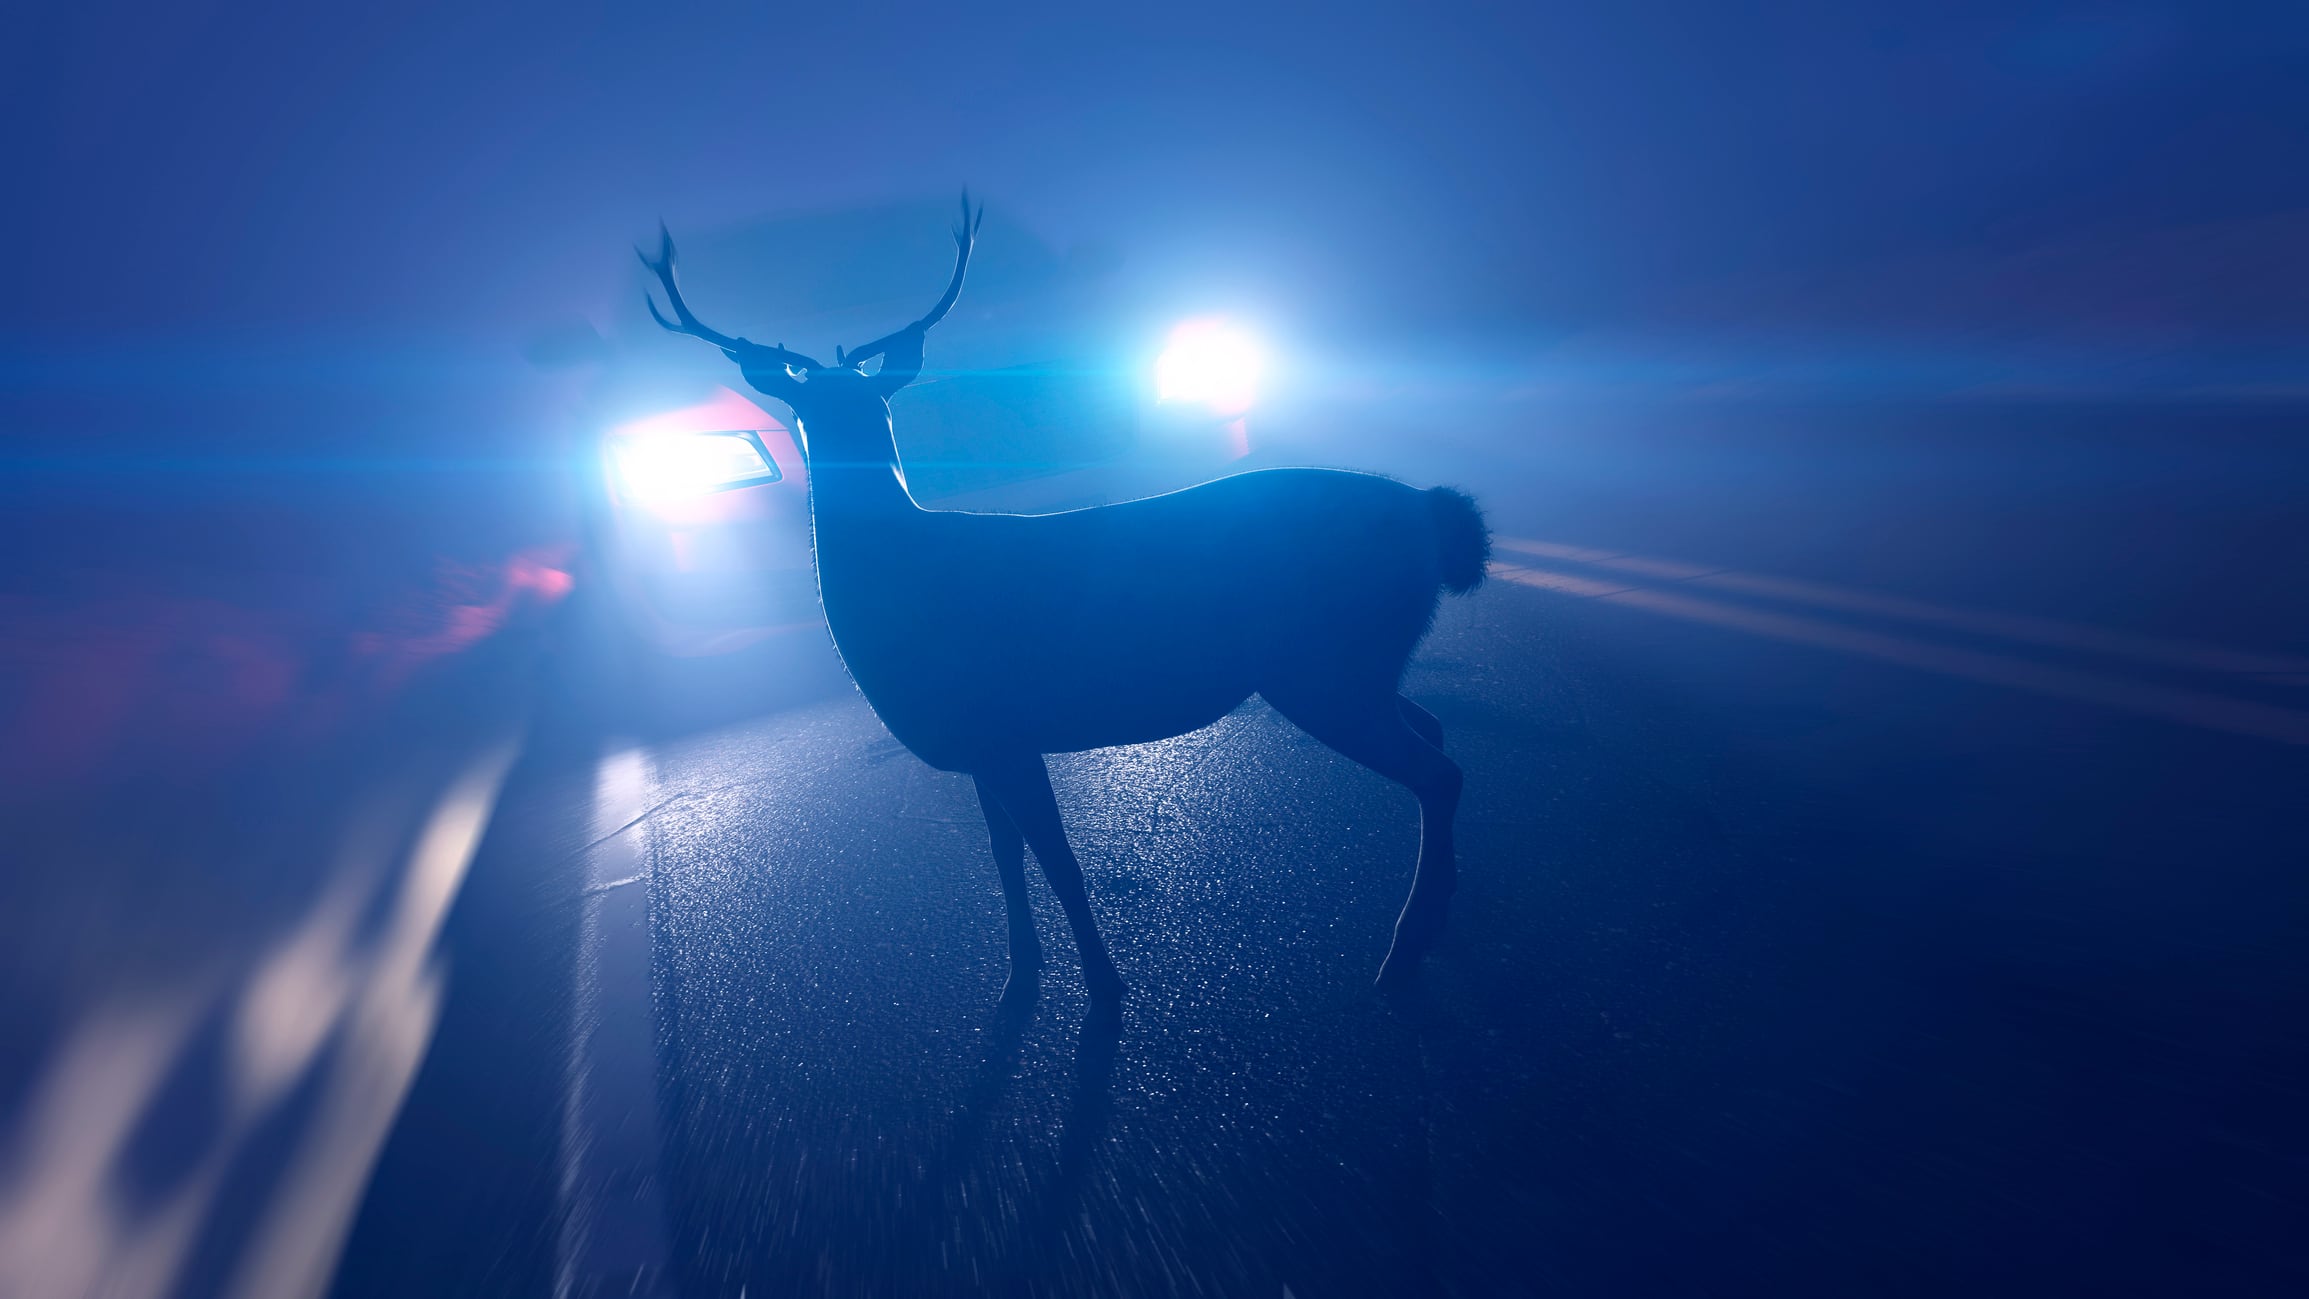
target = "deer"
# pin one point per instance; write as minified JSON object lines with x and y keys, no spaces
{"x":985,"y":642}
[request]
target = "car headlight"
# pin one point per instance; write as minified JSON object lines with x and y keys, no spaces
{"x":1210,"y":363}
{"x":660,"y":467}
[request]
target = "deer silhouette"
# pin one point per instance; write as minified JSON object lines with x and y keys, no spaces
{"x":986,"y":641}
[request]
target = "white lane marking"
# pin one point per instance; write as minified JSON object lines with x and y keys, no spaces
{"x":2189,"y":707}
{"x":2024,"y":628}
{"x":351,"y":1016}
{"x":65,"y":1227}
{"x":388,"y":1027}
{"x":613,"y":1238}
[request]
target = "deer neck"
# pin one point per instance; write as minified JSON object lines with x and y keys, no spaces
{"x":863,"y":494}
{"x":860,"y":511}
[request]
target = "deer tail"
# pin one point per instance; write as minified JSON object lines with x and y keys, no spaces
{"x":1462,"y":539}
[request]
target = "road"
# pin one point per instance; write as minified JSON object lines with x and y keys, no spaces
{"x":1814,"y":937}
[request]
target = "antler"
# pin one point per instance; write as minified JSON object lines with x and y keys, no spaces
{"x":686,"y":322}
{"x":965,"y":236}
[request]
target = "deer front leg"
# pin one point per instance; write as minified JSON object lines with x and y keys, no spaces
{"x":1022,"y":788}
{"x":1010,"y":864}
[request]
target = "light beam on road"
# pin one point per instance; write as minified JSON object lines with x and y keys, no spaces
{"x":2188,"y":707}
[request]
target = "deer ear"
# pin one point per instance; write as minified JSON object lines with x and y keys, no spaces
{"x":901,"y":363}
{"x":768,"y":376}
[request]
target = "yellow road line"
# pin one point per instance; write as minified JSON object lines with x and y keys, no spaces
{"x":2016,"y":627}
{"x":2188,"y":707}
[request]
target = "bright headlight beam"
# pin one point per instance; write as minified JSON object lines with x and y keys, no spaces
{"x":1210,"y":363}
{"x":664,"y":467}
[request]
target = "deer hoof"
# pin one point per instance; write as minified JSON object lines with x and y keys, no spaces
{"x":1403,"y":956}
{"x":1022,"y":989}
{"x":1397,"y":972}
{"x":1106,"y":987}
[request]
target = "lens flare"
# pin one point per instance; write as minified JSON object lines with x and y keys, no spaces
{"x":1210,"y":363}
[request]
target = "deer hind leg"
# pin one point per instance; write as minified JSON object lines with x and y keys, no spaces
{"x":1010,"y":864}
{"x":1421,"y":721}
{"x":1022,"y":788}
{"x":1398,"y":739}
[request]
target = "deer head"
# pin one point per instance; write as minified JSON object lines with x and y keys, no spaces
{"x":828,"y":397}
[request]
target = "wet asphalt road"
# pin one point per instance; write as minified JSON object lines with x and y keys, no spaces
{"x":1771,"y":972}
